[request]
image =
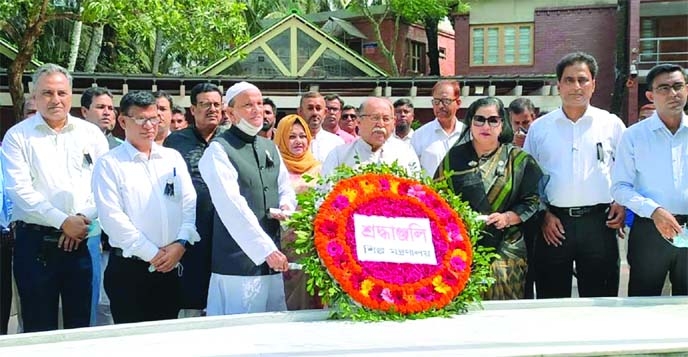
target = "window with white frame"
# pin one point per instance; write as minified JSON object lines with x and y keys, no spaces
{"x":502,"y":45}
{"x":416,"y":56}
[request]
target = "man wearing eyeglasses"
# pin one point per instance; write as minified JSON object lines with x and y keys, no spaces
{"x":375,"y":143}
{"x":651,"y":178}
{"x":575,"y":146}
{"x":433,"y":140}
{"x":147,"y":205}
{"x":206,"y":108}
{"x":47,"y":165}
{"x":349,"y":120}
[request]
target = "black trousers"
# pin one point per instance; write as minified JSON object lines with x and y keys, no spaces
{"x":44,"y":273}
{"x":6,"y":243}
{"x":651,"y":257}
{"x":592,"y":245}
{"x":138,"y":295}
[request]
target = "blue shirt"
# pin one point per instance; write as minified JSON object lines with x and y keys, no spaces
{"x":6,"y":211}
{"x":651,"y":168}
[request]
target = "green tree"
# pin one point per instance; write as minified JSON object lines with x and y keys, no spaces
{"x":193,"y":31}
{"x":426,"y":12}
{"x":38,"y":13}
{"x":377,"y":13}
{"x":429,"y":13}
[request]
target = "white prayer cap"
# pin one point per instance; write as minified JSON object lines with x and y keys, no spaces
{"x":234,"y":90}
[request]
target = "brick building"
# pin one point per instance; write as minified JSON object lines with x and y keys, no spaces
{"x":507,"y":37}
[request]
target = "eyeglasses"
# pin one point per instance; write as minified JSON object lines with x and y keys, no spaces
{"x":349,"y":116}
{"x":444,"y":101}
{"x":378,"y":118}
{"x":208,"y":105}
{"x":493,"y":121}
{"x":666,"y":89}
{"x":143,"y":121}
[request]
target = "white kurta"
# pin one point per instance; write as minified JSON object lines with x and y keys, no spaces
{"x":360,"y":151}
{"x":228,"y":294}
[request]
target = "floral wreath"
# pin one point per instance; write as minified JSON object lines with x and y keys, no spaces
{"x":374,"y":290}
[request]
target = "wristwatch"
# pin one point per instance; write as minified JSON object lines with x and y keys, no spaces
{"x":183,"y":242}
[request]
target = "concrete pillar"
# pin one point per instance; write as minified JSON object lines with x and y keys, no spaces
{"x":413,"y":92}
{"x":633,"y":36}
{"x":388,"y":91}
{"x":491,"y":90}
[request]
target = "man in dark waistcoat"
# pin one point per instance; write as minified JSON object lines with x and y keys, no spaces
{"x":246,"y":178}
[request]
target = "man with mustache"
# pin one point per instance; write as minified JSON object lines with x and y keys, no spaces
{"x":348,"y":121}
{"x":191,"y":142}
{"x":246,"y":178}
{"x":334,"y":113}
{"x":403,"y":111}
{"x":433,"y":140}
{"x":374,"y":144}
{"x":312,"y":108}
{"x":97,"y":107}
{"x":575,"y":147}
{"x":651,"y":178}
{"x":48,"y":160}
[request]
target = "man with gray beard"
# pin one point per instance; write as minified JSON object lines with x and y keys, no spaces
{"x":374,"y":144}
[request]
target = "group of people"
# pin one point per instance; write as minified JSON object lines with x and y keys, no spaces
{"x":192,"y":218}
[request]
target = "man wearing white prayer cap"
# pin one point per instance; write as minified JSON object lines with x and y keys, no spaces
{"x":246,"y":178}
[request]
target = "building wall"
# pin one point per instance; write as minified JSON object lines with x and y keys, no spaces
{"x":556,"y":32}
{"x":497,"y":11}
{"x":406,"y":32}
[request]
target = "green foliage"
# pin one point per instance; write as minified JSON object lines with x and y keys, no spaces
{"x":340,"y":304}
{"x":195,"y":33}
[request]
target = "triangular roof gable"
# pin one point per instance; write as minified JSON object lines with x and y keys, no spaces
{"x":10,"y":51}
{"x":295,"y":23}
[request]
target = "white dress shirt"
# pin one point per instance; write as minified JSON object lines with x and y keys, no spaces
{"x":222,"y":180}
{"x":47,"y":174}
{"x":134,"y":210}
{"x":323,"y":143}
{"x":567,"y":151}
{"x":407,"y":138}
{"x":359,"y":150}
{"x":432,"y":143}
{"x":651,"y":168}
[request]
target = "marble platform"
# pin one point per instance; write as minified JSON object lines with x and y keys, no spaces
{"x":578,"y":327}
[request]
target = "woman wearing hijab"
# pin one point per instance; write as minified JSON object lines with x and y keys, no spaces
{"x":293,"y":139}
{"x":498,"y":180}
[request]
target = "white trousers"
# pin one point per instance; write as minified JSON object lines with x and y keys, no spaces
{"x":231,"y":294}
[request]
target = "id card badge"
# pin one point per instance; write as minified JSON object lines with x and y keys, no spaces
{"x":681,"y":239}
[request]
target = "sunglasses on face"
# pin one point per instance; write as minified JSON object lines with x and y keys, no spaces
{"x":349,"y":116}
{"x":493,"y":121}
